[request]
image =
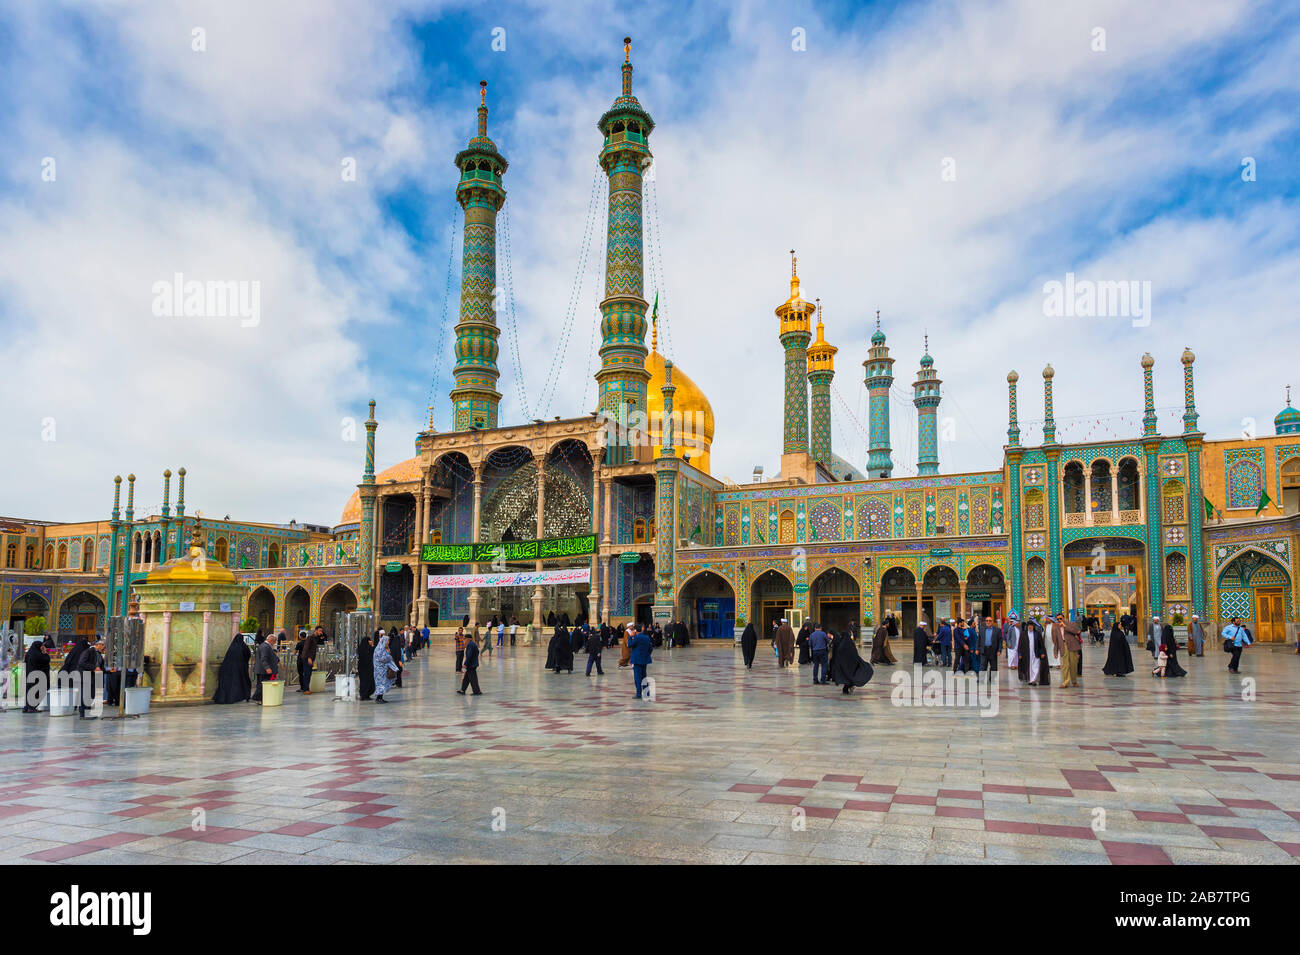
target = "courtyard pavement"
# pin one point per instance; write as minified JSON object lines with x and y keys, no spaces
{"x":724,"y":766}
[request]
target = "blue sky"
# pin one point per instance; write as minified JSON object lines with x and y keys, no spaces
{"x":223,"y":164}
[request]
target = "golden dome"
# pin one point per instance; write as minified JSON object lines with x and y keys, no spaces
{"x":408,"y":470}
{"x":687,"y":398}
{"x":194,"y":567}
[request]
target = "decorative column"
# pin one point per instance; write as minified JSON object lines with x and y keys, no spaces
{"x":1055,"y":589}
{"x":539,"y":595}
{"x":594,"y":591}
{"x":795,"y":315}
{"x":920,"y":606}
{"x":1195,"y":497}
{"x":1011,"y":507}
{"x":115,"y":538}
{"x":879,"y":379}
{"x":180,"y":515}
{"x":475,"y":399}
{"x":474,"y":595}
{"x":163,"y":543}
{"x":1151,"y":486}
{"x":625,"y":156}
{"x":165,"y":663}
{"x":925,"y":395}
{"x":127,"y":530}
{"x":366,"y":602}
{"x":609,"y":508}
{"x":665,"y":605}
{"x":422,"y":538}
{"x":821,"y":371}
{"x":203,"y":654}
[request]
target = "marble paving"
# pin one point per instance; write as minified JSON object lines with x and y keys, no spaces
{"x":724,"y":766}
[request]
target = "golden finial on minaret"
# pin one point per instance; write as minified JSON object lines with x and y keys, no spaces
{"x":794,"y":276}
{"x":627,"y":49}
{"x":482,"y":92}
{"x":430,"y":417}
{"x":654,"y":335}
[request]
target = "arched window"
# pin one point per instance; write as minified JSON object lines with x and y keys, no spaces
{"x":1036,"y":578}
{"x":222,"y":550}
{"x":87,"y":557}
{"x":1291,"y":486}
{"x":1130,"y":486}
{"x":29,"y":557}
{"x":11,"y":555}
{"x":63,"y":556}
{"x":137,"y":549}
{"x":1101,"y":490}
{"x":1034,"y":512}
{"x":1172,"y":509}
{"x":1176,"y":575}
{"x":273,"y":556}
{"x":436,"y":537}
{"x":158,"y":555}
{"x":49,"y":557}
{"x":638,"y":531}
{"x":1072,"y":488}
{"x":787,"y":527}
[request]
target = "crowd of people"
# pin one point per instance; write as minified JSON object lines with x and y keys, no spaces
{"x":834,"y":657}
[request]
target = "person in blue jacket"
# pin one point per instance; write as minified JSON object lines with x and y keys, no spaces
{"x":639,"y":644}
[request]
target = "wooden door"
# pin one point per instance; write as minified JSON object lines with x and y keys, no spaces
{"x":86,"y":624}
{"x":1269,"y":616}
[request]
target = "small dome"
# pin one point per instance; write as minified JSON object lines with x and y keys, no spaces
{"x":408,"y":470}
{"x":1049,"y":372}
{"x":1148,"y":361}
{"x":1287,"y":421}
{"x":1188,"y":356}
{"x":1013,"y":377}
{"x":878,"y":338}
{"x":927,"y":361}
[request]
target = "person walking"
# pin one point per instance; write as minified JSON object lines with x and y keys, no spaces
{"x":785,"y":644}
{"x":848,"y":667}
{"x":1119,"y":658}
{"x":366,"y":666}
{"x":1236,"y":638}
{"x":266,"y":661}
{"x":470,"y":682}
{"x":460,"y":647}
{"x":749,"y":644}
{"x":880,"y":651}
{"x":1196,"y":637}
{"x":944,"y":639}
{"x":90,"y":662}
{"x":920,"y":642}
{"x":593,"y":648}
{"x":640,"y":653}
{"x":37,"y":681}
{"x":990,"y":647}
{"x":1068,"y":645}
{"x":233,"y":683}
{"x":819,"y":646}
{"x":514,"y":629}
{"x":387,"y":669}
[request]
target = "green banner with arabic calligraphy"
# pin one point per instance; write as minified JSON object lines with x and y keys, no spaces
{"x":509,"y":550}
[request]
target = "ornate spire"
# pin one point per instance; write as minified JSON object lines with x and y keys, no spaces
{"x":1049,"y":414}
{"x":482,"y":109}
{"x":627,"y":66}
{"x":368,"y":475}
{"x":1013,"y":426}
{"x":1189,"y":395}
{"x":1149,"y":420}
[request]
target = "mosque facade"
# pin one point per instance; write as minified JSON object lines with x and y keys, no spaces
{"x":616,"y":514}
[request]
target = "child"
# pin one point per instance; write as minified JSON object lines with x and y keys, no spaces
{"x":1161,"y":661}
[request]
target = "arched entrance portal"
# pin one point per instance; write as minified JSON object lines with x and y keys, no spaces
{"x":835,"y":601}
{"x":985,"y":592}
{"x":297,"y":607}
{"x":338,"y":599}
{"x":707,"y":605}
{"x":1256,"y":588}
{"x":940,"y":594}
{"x":898,"y":597}
{"x":261,"y":606}
{"x":1100,"y":561}
{"x":771,"y":598}
{"x":81,"y":615}
{"x":27,"y":606}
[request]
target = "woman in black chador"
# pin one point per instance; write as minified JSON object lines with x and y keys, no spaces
{"x":848,"y":669}
{"x":366,"y":667}
{"x":559,"y":655}
{"x":1119,"y":658}
{"x":748,"y":644}
{"x":801,"y":641}
{"x":38,"y":676}
{"x":1172,"y":667}
{"x":233,"y":682}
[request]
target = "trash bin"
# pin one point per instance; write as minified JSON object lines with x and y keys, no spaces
{"x":345,"y":687}
{"x":318,"y":681}
{"x":272,"y":692}
{"x":137,"y":700}
{"x":63,"y":700}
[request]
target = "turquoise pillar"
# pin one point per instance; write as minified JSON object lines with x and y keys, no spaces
{"x":879,"y":379}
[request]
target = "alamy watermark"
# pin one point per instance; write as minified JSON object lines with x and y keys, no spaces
{"x":1087,"y":298}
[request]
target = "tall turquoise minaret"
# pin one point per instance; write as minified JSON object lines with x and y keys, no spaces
{"x":625,"y":156}
{"x":880,"y":378}
{"x":925,"y":395}
{"x":474,"y":398}
{"x":795,"y":314}
{"x":821,"y":372}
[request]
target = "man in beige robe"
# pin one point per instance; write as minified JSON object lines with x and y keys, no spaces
{"x":1066,"y":642}
{"x":785,"y":644}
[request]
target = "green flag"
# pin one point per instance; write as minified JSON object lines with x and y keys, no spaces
{"x":1264,"y":500}
{"x":1209,"y":508}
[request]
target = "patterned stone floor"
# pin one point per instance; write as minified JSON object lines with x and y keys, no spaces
{"x":725,"y":766}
